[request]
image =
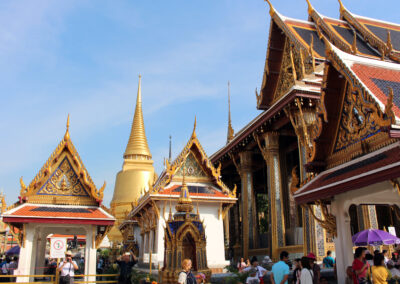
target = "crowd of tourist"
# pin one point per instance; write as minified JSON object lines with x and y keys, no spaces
{"x":376,"y":267}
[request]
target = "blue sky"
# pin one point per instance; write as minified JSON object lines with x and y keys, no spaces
{"x":83,"y":58}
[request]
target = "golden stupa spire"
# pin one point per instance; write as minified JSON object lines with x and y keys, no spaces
{"x":137,"y":144}
{"x":184,"y":201}
{"x":230,"y":129}
{"x":66,"y":135}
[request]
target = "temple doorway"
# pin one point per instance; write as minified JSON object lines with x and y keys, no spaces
{"x":189,"y":250}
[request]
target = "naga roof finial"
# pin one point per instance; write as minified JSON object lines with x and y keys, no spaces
{"x":310,"y":7}
{"x":342,"y":8}
{"x":328,"y":46}
{"x":271,"y":8}
{"x":194,"y":127}
{"x":66,"y":135}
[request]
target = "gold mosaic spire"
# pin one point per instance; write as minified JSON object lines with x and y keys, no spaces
{"x":230,"y":129}
{"x":137,"y":144}
{"x":184,"y":201}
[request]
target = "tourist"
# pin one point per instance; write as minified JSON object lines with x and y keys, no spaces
{"x":253,"y":278}
{"x":67,"y":268}
{"x":379,"y":272}
{"x":248,"y":263}
{"x":392,"y":269}
{"x":385,"y":255}
{"x":280,"y":270}
{"x":297,"y":271}
{"x":369,"y":258}
{"x":186,"y":276}
{"x":241,"y":265}
{"x":360,"y":266}
{"x":328,"y":261}
{"x":314,"y":267}
{"x":13,"y":265}
{"x":307,"y":275}
{"x":5,"y":269}
{"x":261,"y":271}
{"x":125,"y":267}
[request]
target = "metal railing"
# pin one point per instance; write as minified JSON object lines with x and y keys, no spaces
{"x":53,"y":279}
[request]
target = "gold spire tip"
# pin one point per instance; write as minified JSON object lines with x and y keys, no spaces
{"x":66,"y":135}
{"x":194,"y":126}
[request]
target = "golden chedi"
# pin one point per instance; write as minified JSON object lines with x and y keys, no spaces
{"x":137,"y":172}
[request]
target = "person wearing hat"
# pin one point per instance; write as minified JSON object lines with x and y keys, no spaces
{"x":67,"y":269}
{"x":125,"y":267}
{"x":315,"y":268}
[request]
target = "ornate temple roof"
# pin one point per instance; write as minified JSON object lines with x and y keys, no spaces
{"x":63,"y":179}
{"x":380,"y":79}
{"x":137,"y":143}
{"x":296,"y":59}
{"x":202,"y":179}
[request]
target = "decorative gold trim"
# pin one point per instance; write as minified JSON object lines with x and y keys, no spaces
{"x":328,"y":221}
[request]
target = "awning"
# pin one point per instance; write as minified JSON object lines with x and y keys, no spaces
{"x":378,"y":166}
{"x":58,"y":214}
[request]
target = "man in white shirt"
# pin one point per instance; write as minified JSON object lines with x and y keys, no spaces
{"x":67,"y":268}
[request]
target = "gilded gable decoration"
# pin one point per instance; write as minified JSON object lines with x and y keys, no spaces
{"x":63,"y":179}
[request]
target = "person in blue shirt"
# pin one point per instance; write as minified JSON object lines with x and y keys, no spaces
{"x":280,"y":270}
{"x":328,"y":261}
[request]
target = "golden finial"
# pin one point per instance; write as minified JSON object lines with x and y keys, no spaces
{"x":271,"y":8}
{"x":194,"y":127}
{"x":389,"y":42}
{"x":137,"y":143}
{"x":354,"y":45}
{"x":230,"y":129}
{"x":310,"y":7}
{"x":311,"y":51}
{"x":66,"y":135}
{"x":342,"y":8}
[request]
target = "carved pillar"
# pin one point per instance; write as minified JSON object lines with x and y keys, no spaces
{"x":275,"y":192}
{"x":249,"y":218}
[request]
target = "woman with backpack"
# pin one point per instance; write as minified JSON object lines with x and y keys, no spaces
{"x":186,"y":276}
{"x":307,"y":274}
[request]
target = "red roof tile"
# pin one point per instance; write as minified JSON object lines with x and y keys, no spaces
{"x":377,"y":80}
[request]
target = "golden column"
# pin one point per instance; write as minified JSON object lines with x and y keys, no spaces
{"x":137,"y":172}
{"x":275,"y":193}
{"x":249,"y":225}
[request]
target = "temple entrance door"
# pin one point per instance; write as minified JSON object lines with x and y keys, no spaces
{"x":189,"y":250}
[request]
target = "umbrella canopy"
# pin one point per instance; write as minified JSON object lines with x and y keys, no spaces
{"x":374,"y":238}
{"x":13,"y":250}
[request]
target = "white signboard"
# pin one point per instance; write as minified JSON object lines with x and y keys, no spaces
{"x":392,"y":230}
{"x":58,"y":247}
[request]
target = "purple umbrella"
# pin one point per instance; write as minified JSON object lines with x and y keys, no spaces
{"x":375,"y":238}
